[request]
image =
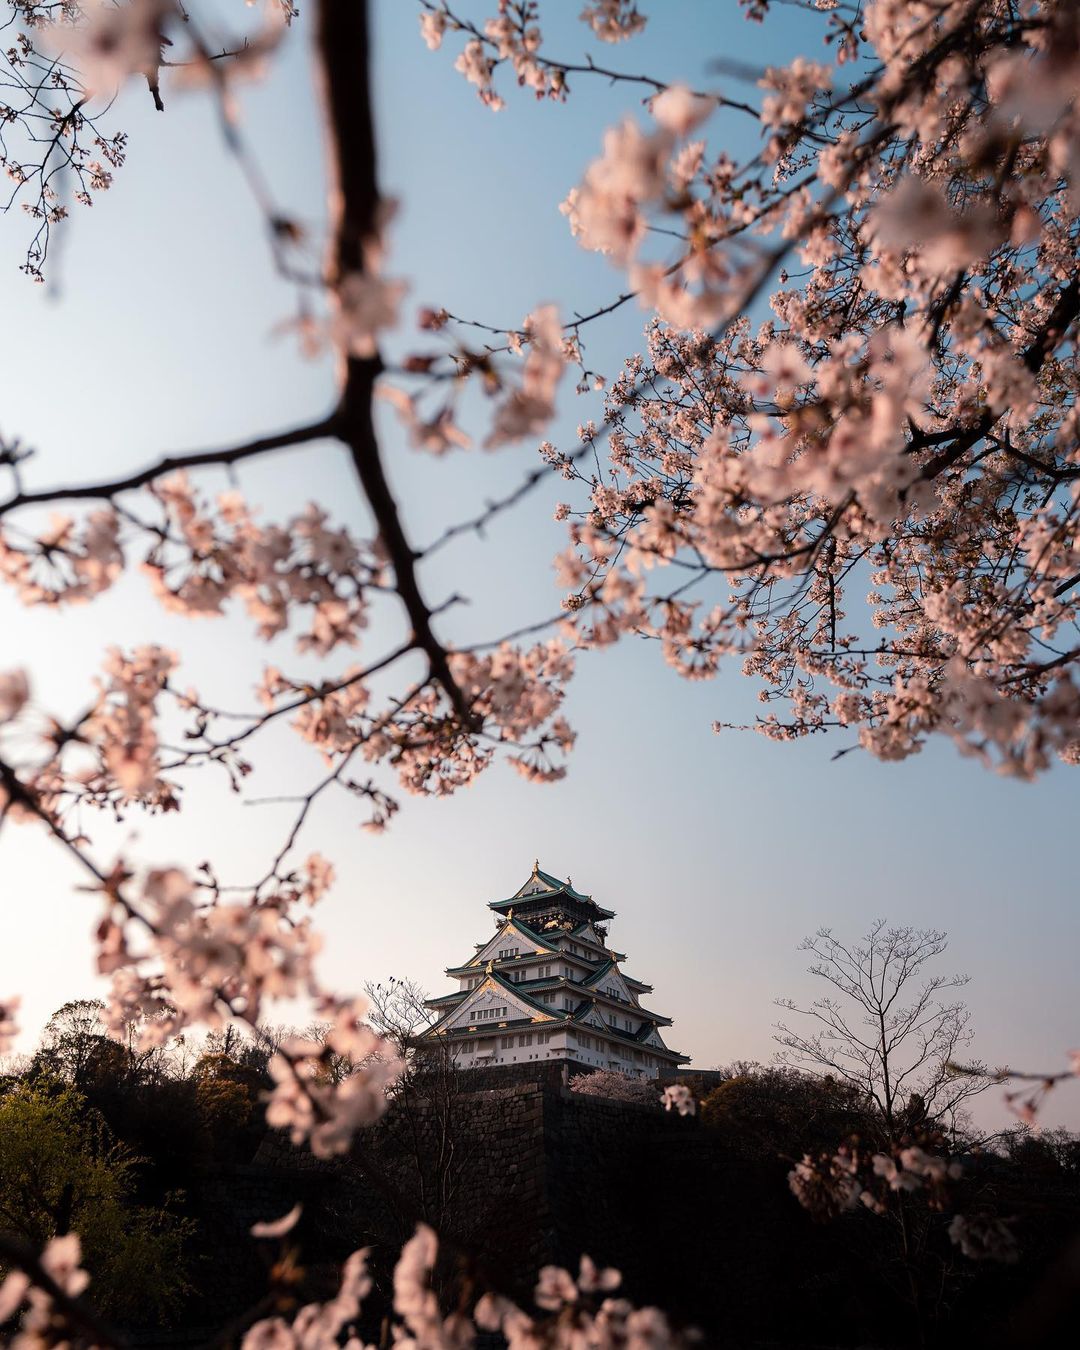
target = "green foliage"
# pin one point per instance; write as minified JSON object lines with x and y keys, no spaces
{"x":61,"y":1169}
{"x":76,"y":1049}
{"x":226,"y":1099}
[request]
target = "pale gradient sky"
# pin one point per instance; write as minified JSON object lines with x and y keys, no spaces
{"x":718,"y":853}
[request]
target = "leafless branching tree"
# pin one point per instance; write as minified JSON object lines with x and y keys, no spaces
{"x":426,"y":1121}
{"x":888,"y":1026}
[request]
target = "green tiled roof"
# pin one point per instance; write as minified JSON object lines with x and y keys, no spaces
{"x":557,"y":888}
{"x":561,"y":885}
{"x":607,"y":968}
{"x":608,"y":965}
{"x":456,"y":997}
{"x":519,"y":927}
{"x":654,"y":1018}
{"x":577,"y":1015}
{"x":513,"y":989}
{"x":636,"y":1036}
{"x":588,"y":923}
{"x":557,"y":1014}
{"x":583,"y":991}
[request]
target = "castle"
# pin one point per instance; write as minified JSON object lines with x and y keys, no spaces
{"x":547,"y":987}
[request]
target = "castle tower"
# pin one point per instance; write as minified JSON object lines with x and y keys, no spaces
{"x":548,"y":987}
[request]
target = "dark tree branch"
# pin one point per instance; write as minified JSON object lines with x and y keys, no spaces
{"x":1065,"y":311}
{"x":281,"y":440}
{"x":344,"y":57}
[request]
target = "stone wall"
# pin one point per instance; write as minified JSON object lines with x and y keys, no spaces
{"x":537,"y":1175}
{"x":547,"y":1073}
{"x":542,"y":1174}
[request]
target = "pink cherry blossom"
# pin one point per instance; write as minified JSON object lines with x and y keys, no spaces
{"x":613,"y":20}
{"x":14,"y":693}
{"x":109,"y":42}
{"x":9,"y":1028}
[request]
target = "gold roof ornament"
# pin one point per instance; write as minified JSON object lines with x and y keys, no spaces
{"x":510,"y":914}
{"x":489,"y":968}
{"x":536,"y":866}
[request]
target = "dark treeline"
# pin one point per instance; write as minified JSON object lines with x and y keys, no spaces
{"x":160,"y":1160}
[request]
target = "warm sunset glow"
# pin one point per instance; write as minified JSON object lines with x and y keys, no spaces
{"x":437,"y":434}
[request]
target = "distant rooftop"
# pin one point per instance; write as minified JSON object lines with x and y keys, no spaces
{"x":542,"y":888}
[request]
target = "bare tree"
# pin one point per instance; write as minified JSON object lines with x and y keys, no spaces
{"x":426,"y":1120}
{"x":399,"y":1012}
{"x":891,"y":1030}
{"x":335,"y":1067}
{"x":888,"y":1027}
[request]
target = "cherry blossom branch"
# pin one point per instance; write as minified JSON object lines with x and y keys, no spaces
{"x":293,"y":1063}
{"x":494,"y":507}
{"x":571,"y":325}
{"x":308,"y":802}
{"x":1065,"y":311}
{"x":109,"y":488}
{"x":588,"y":67}
{"x":282,"y":231}
{"x":16,"y":1252}
{"x":1027,"y":1101}
{"x":322,"y":691}
{"x":354,"y":205}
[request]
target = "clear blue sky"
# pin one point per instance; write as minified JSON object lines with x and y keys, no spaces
{"x":719,"y":853}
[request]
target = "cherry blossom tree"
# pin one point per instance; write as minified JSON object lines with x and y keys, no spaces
{"x":859,"y":375}
{"x":619,"y":1087}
